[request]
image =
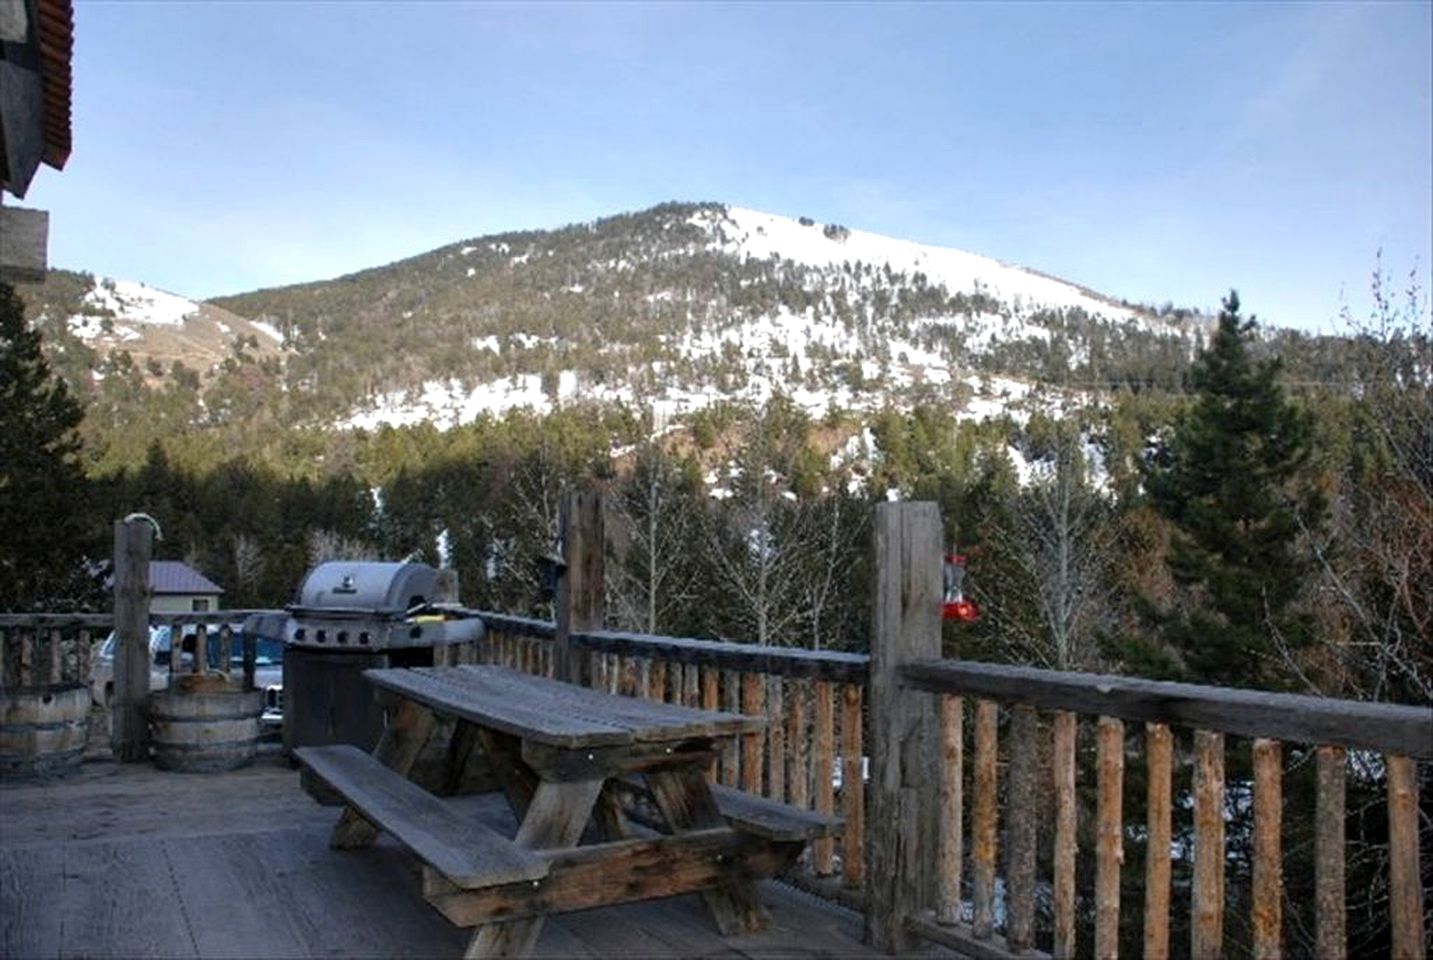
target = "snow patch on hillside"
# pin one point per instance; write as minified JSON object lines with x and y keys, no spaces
{"x":131,"y":302}
{"x":268,"y":330}
{"x":752,"y":234}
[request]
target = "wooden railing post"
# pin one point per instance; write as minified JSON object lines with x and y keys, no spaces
{"x":905,"y":627}
{"x":133,"y":544}
{"x":579,"y":590}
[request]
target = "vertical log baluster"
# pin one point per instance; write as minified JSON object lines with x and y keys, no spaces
{"x":731,"y":748}
{"x":1207,"y":906}
{"x":226,"y":648}
{"x":753,"y":705}
{"x":1066,"y":823}
{"x":84,"y":652}
{"x":201,"y":649}
{"x":1158,"y":752}
{"x":644,"y":678}
{"x":56,"y":672}
{"x":798,"y":769}
{"x":824,"y":848}
{"x":983,"y":821}
{"x":1268,"y":849}
{"x":1109,"y":836}
{"x":1330,"y":897}
{"x":853,"y":789}
{"x":951,"y":853}
{"x":27,"y":657}
{"x":776,"y":739}
{"x":176,"y":653}
{"x":710,"y":679}
{"x":691,"y":685}
{"x":631,"y":676}
{"x":1404,"y":883}
{"x":1020,"y":870}
{"x":658,"y":689}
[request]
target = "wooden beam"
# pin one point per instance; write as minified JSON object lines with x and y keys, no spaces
{"x":579,"y":878}
{"x":133,"y":544}
{"x":1386,"y":727}
{"x":24,"y":237}
{"x":580,"y":590}
{"x":14,"y":23}
{"x":905,"y":627}
{"x":22,"y":124}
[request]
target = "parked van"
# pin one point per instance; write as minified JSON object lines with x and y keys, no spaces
{"x":268,"y":666}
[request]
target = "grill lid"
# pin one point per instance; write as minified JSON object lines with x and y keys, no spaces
{"x":366,"y":588}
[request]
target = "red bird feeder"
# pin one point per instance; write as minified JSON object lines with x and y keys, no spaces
{"x":955,"y":606}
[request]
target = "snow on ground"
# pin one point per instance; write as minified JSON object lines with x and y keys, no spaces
{"x":268,"y":330}
{"x":131,"y":302}
{"x":448,"y":403}
{"x":756,"y":235}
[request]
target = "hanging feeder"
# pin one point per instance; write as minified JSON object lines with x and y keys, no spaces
{"x":954,"y":606}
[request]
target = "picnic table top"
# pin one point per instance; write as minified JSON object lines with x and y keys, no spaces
{"x":551,"y":712}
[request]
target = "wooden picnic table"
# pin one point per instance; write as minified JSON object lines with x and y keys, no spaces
{"x":570,"y":761}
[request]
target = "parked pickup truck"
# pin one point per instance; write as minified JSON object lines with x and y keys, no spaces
{"x":268,"y":666}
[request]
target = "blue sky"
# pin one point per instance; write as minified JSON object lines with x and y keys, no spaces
{"x":1154,"y":152}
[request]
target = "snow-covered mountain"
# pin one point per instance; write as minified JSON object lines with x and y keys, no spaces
{"x":671,"y":309}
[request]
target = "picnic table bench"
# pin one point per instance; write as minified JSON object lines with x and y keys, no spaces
{"x":568,"y":759}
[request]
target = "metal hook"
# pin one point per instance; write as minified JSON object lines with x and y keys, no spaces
{"x":158,"y":533}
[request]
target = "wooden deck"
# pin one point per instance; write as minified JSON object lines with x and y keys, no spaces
{"x":127,"y":861}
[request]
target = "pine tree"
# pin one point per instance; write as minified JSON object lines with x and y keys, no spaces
{"x":43,"y":492}
{"x":1230,"y":479}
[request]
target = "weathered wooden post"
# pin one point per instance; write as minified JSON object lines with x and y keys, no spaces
{"x":905,"y":627}
{"x":133,"y":543}
{"x":579,"y":590}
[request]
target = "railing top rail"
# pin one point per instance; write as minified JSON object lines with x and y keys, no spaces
{"x":526,"y":626}
{"x":782,"y":661}
{"x":208,"y":617}
{"x":1385,"y":727}
{"x":30,"y":621}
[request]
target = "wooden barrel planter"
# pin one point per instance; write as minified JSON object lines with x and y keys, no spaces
{"x":204,"y":727}
{"x":43,"y":729}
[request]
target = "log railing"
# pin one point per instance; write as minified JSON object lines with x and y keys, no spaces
{"x":214,"y":627}
{"x":49,"y":648}
{"x":56,"y":648}
{"x":1321,"y":730}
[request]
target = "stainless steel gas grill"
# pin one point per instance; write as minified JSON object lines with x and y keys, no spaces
{"x":350,"y":617}
{"x":377,"y":606}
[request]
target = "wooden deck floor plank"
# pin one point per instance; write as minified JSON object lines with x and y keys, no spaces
{"x":229,"y":888}
{"x":143,"y":863}
{"x":358,"y":903}
{"x":119,"y":899}
{"x":30,"y":883}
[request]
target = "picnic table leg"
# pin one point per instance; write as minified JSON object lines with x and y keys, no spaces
{"x":556,"y":817}
{"x":460,"y":752}
{"x":519,"y":783}
{"x":409,"y":727}
{"x":686,"y":801}
{"x":610,"y":818}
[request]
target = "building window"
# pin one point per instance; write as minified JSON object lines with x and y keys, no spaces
{"x":201,"y":606}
